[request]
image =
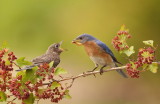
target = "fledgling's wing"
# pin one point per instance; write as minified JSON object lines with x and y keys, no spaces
{"x":37,"y":61}
{"x":107,"y":50}
{"x":45,"y":58}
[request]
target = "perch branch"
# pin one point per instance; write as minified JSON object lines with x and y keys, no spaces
{"x":86,"y":74}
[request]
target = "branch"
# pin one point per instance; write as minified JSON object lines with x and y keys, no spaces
{"x":11,"y":101}
{"x":86,"y":74}
{"x":157,"y":62}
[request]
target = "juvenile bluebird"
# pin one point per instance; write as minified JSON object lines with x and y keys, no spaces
{"x":52,"y":54}
{"x":98,"y":52}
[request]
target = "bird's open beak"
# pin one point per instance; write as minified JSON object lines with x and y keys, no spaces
{"x":63,"y":49}
{"x":77,"y":42}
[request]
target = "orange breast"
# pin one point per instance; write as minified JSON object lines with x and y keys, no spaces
{"x":93,"y":50}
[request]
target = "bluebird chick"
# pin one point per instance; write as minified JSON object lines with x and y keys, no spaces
{"x":52,"y":54}
{"x":98,"y":52}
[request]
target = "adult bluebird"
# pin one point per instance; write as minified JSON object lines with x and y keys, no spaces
{"x":98,"y":52}
{"x":52,"y":54}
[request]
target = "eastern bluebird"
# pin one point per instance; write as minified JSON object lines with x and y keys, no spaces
{"x":98,"y":52}
{"x":52,"y":54}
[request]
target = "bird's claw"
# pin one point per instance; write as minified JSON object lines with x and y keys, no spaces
{"x":84,"y":74}
{"x":94,"y":75}
{"x":91,"y":72}
{"x":101,"y":71}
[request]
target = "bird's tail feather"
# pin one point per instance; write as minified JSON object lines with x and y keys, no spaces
{"x":27,"y":67}
{"x":121,"y":72}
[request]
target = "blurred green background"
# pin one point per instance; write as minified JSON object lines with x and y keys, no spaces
{"x":30,"y":26}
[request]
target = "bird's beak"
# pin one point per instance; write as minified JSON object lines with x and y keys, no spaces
{"x":63,"y":49}
{"x":77,"y":42}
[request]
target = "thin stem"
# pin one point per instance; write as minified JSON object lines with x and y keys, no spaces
{"x":87,"y":74}
{"x":11,"y":100}
{"x":16,"y":65}
{"x":84,"y":74}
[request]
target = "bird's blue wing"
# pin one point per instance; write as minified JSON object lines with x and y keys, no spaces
{"x":107,"y":50}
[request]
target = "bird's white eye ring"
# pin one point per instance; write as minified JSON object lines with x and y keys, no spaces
{"x":57,"y":46}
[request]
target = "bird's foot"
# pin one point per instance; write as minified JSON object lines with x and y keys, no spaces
{"x":94,"y":75}
{"x":93,"y":69}
{"x":91,"y":72}
{"x":101,"y":71}
{"x":84,"y":74}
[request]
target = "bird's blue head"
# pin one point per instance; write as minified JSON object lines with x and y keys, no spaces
{"x":83,"y":38}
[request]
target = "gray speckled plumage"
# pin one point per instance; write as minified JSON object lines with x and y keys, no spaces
{"x":52,"y":54}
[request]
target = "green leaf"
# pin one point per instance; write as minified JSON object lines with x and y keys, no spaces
{"x":149,"y":42}
{"x":30,"y":99}
{"x":59,"y":71}
{"x":153,"y":67}
{"x":7,"y":62}
{"x":3,"y":96}
{"x":145,"y":66}
{"x":30,"y":76}
{"x":39,"y":77}
{"x":133,"y":65}
{"x":40,"y":91}
{"x":146,"y":54}
{"x":21,"y":62}
{"x":35,"y":68}
{"x":130,"y":51}
{"x":54,"y":85}
{"x":51,"y":64}
{"x":21,"y":73}
{"x":67,"y":95}
{"x":122,"y":28}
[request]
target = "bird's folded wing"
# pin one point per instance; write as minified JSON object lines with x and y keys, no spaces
{"x":107,"y":50}
{"x":46,"y":58}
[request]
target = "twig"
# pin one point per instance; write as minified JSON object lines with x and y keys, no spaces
{"x":86,"y":74}
{"x":70,"y":84}
{"x":38,"y":101}
{"x":60,"y":76}
{"x":11,"y":100}
{"x":16,"y":65}
{"x":158,"y":62}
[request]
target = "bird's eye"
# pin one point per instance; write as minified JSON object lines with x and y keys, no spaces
{"x":57,"y":45}
{"x":80,"y":38}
